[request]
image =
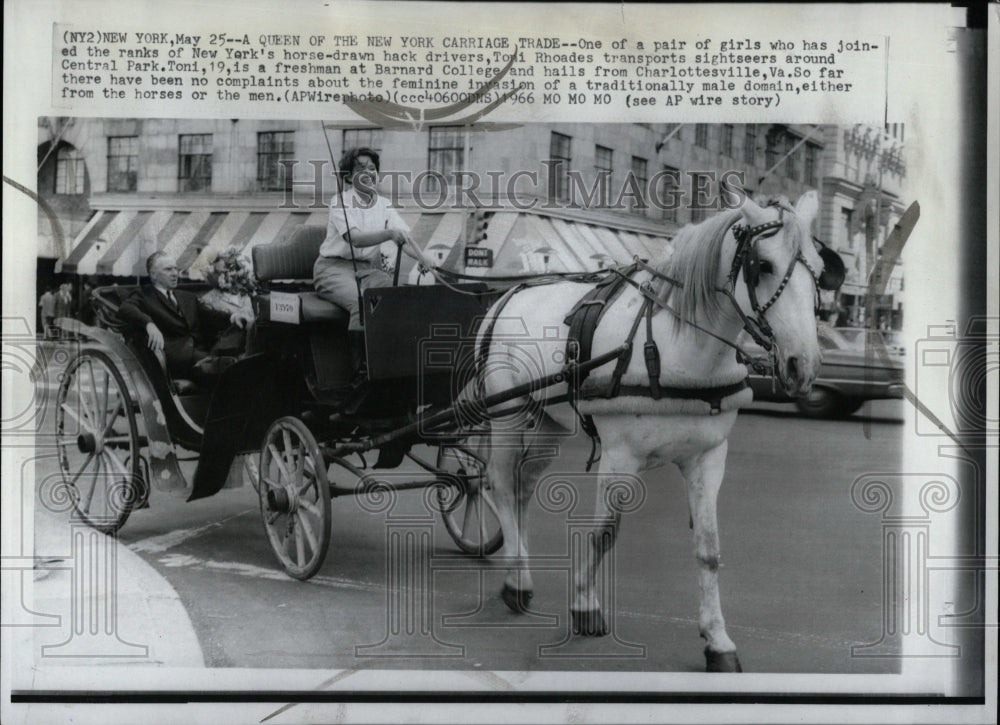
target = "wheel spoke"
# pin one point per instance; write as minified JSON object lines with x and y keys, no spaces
{"x":72,"y":414}
{"x":87,"y":421}
{"x":288,"y":451}
{"x":107,"y":397}
{"x":308,"y":483}
{"x":470,"y":504}
{"x":117,"y":463}
{"x":90,"y":457}
{"x":485,"y":496}
{"x":272,"y":517}
{"x":95,"y":416}
{"x":300,"y":546}
{"x":271,"y":482}
{"x":109,"y":424}
{"x":278,"y":460}
{"x":85,"y":504}
{"x":118,"y":439}
{"x":306,"y":528}
{"x":311,"y":508}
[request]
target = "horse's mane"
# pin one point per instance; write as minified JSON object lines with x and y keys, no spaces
{"x":697,"y":252}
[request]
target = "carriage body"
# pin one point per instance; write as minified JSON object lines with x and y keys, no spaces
{"x":289,"y":390}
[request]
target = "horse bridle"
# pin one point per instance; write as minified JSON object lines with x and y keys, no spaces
{"x":747,"y":258}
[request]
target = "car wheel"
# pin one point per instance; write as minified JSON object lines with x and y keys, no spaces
{"x":849,"y":406}
{"x":819,"y":403}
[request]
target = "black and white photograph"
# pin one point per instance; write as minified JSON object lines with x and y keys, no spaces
{"x":380,"y":369}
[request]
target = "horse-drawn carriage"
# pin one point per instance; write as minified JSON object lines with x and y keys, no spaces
{"x":124,"y":424}
{"x":443,"y":368}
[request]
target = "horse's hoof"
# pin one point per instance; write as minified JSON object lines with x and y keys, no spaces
{"x":589,"y":623}
{"x":722,"y":661}
{"x":516,"y":599}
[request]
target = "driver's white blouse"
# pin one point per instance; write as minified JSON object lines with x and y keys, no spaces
{"x":363,"y":216}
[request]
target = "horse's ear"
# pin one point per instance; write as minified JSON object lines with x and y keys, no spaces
{"x":753,"y":214}
{"x":807,"y":207}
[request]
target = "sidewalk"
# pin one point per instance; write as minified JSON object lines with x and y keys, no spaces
{"x":113,"y":607}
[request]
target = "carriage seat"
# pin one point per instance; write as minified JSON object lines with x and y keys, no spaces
{"x":293,"y":260}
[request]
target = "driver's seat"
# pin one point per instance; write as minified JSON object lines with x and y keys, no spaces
{"x":320,"y":324}
{"x":293,"y":260}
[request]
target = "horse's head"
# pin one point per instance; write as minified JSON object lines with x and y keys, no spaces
{"x":774,"y":277}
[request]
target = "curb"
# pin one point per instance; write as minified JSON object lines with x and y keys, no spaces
{"x":113,"y":607}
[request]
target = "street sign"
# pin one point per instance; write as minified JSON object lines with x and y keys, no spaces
{"x":478,"y":257}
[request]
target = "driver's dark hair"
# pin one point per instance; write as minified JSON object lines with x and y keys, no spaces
{"x":151,"y":260}
{"x":350,"y":159}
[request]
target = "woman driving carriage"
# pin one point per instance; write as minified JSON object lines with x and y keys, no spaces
{"x":361,"y":231}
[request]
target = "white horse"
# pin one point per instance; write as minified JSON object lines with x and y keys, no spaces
{"x":638,"y":432}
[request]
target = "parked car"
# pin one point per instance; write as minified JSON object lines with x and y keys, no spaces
{"x":856,"y":336}
{"x":846,"y":378}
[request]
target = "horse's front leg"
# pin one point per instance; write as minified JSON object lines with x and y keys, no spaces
{"x":617,"y":467}
{"x":704,"y":472}
{"x":502,"y":472}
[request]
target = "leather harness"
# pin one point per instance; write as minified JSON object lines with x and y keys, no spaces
{"x":587,"y":313}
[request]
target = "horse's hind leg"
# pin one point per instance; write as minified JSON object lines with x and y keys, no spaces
{"x":617,"y":468}
{"x":704,"y":473}
{"x":514,"y":471}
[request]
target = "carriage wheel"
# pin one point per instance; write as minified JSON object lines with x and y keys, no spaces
{"x":98,"y":441}
{"x":294,"y":497}
{"x":467,"y":507}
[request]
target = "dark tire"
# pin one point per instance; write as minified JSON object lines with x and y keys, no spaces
{"x":466,"y":503}
{"x":819,"y":403}
{"x":849,"y":406}
{"x":294,"y":497}
{"x":98,"y":442}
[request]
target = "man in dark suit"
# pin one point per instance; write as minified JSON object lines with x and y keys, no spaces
{"x":168,"y":317}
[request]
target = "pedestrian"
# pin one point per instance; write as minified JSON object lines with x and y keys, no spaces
{"x":47,"y":304}
{"x":85,"y":312}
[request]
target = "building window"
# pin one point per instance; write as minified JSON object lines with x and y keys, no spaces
{"x":667,"y":191}
{"x":273,"y":147}
{"x":445,"y":155}
{"x":123,"y":163}
{"x":727,"y":139}
{"x":69,"y":171}
{"x":847,"y":220}
{"x":559,"y":161}
{"x":640,"y":172}
{"x":810,"y":165}
{"x":369,"y":138}
{"x":603,"y":160}
{"x":701,"y":135}
{"x":750,"y":145}
{"x":771,"y":149}
{"x":791,"y":158}
{"x":194,"y":166}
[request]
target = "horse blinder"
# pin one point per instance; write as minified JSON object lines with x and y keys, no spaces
{"x":834,"y":271}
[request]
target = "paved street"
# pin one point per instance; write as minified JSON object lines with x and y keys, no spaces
{"x":801,"y":575}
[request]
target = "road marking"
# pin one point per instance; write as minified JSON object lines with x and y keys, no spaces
{"x":163,"y":542}
{"x":260,"y":572}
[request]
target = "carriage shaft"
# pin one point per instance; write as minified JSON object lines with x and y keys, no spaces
{"x":478,"y":410}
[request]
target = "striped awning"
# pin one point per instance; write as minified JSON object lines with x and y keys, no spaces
{"x":117,"y":242}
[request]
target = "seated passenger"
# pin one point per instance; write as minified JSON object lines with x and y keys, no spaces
{"x":168,"y":318}
{"x":233,"y":287}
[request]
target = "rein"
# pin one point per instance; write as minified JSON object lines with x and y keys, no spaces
{"x":747,"y":260}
